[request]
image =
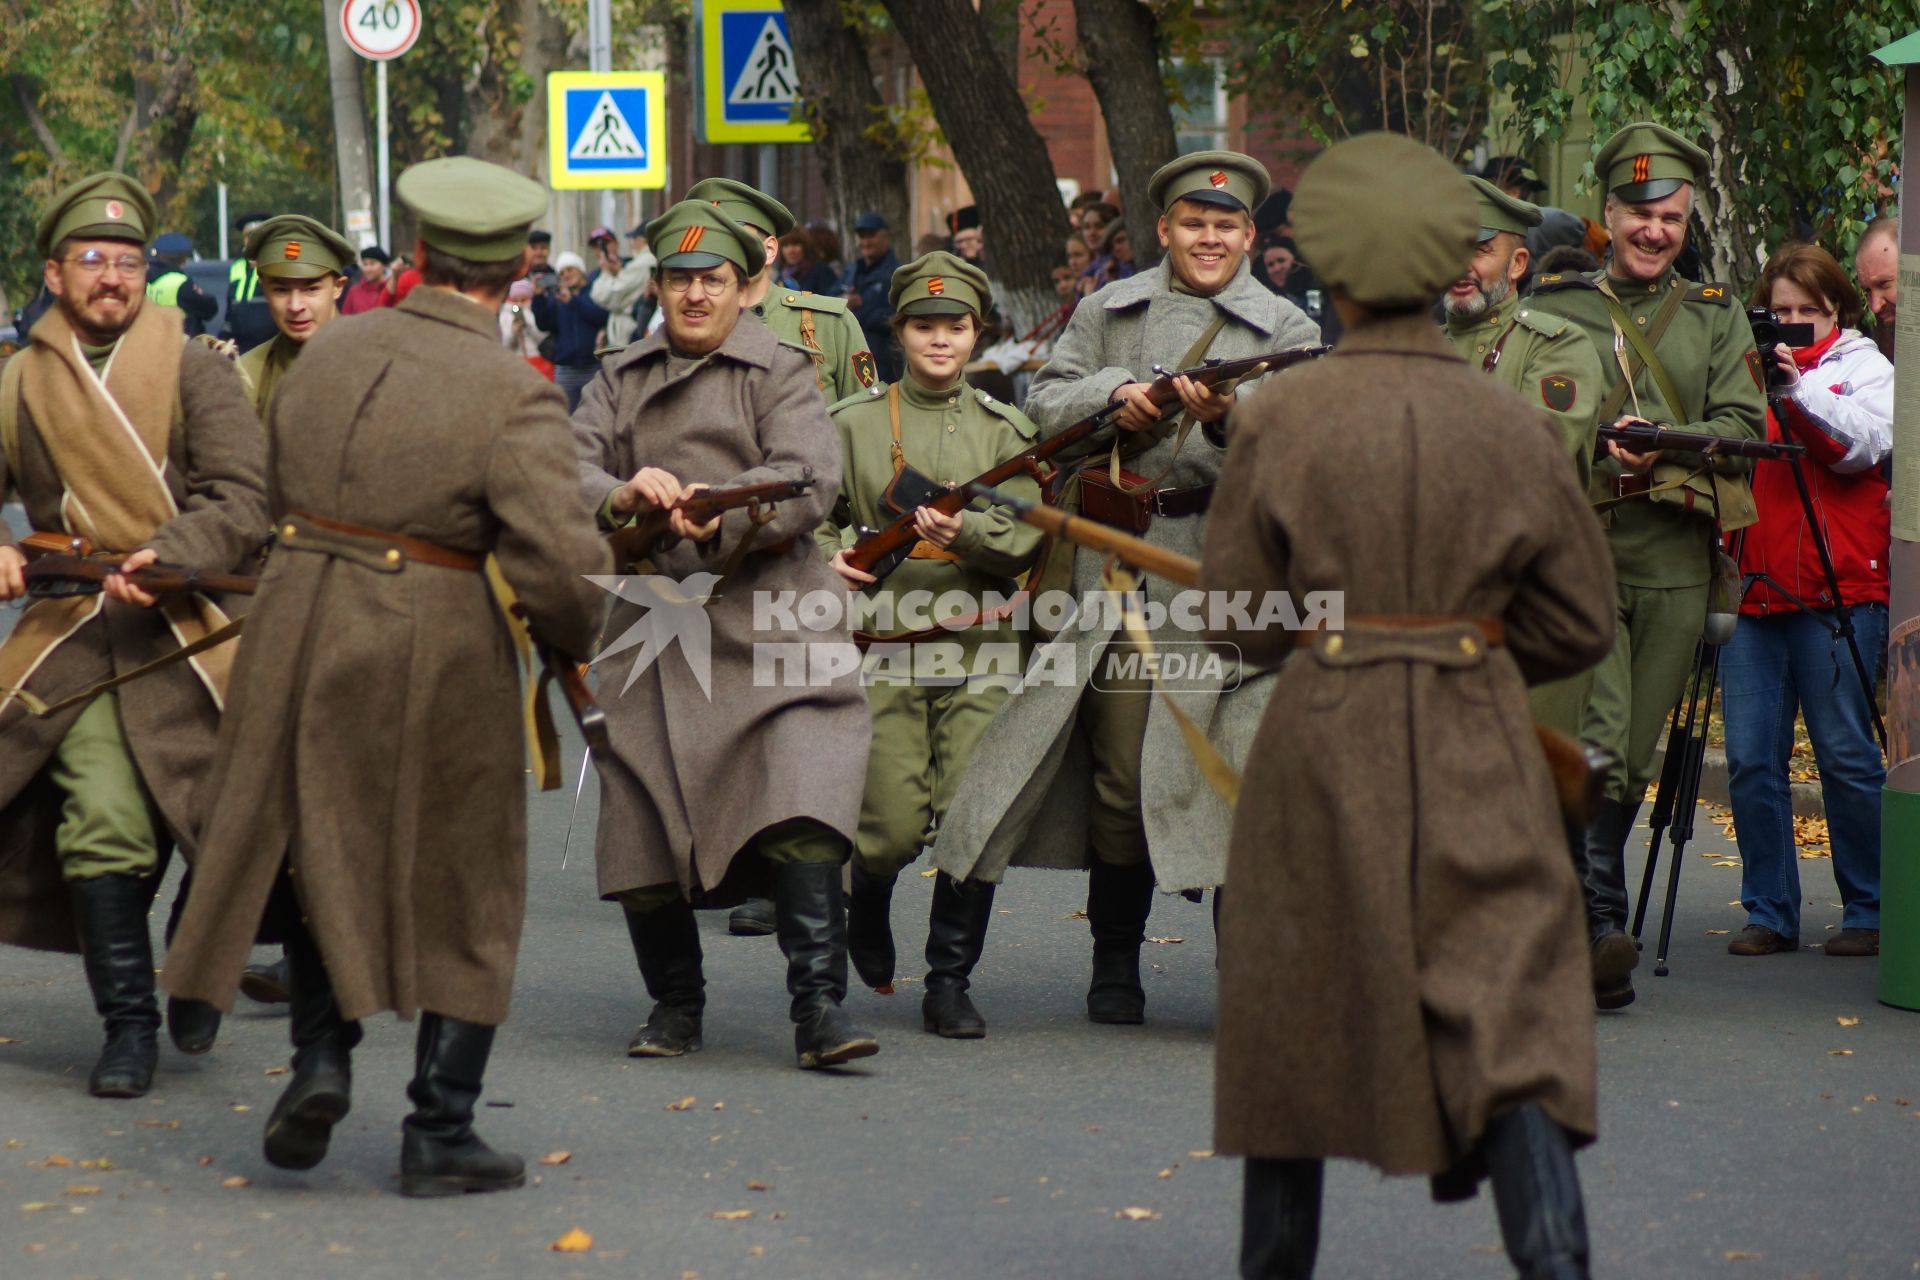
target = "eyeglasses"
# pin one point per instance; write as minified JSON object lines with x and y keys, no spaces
{"x":711,"y":283}
{"x":92,"y":262}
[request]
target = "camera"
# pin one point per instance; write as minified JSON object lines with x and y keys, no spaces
{"x":1769,"y":333}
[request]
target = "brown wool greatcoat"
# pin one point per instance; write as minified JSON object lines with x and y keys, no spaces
{"x":215,"y":467}
{"x":693,"y":778}
{"x":1403,"y":803}
{"x":373,"y":735}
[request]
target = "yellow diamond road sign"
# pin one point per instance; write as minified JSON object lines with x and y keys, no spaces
{"x":607,"y":129}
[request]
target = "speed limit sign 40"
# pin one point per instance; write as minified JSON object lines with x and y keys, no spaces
{"x":380,"y":29}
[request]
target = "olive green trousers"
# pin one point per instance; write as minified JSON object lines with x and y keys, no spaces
{"x":1637,"y":684}
{"x":107,"y":821}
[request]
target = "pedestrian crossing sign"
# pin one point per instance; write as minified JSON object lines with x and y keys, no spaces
{"x":607,"y":129}
{"x":749,"y":90}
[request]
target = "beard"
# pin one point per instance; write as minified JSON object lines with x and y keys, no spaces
{"x":86,"y":318}
{"x":1485,"y":298}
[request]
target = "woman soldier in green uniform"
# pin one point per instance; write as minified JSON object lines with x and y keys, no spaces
{"x":929,"y":429}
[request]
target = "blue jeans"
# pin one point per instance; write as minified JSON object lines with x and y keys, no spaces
{"x":1772,"y":666}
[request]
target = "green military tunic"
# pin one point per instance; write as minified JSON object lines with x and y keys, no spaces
{"x":826,"y":331}
{"x":263,"y":367}
{"x":924,"y":730}
{"x":1662,"y":543}
{"x":1549,"y":360}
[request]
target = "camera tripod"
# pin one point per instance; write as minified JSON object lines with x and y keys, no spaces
{"x":1678,"y":794}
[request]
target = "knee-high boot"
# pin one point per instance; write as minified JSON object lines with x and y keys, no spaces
{"x":1119,"y":899}
{"x":1604,"y":880}
{"x":192,"y":1025}
{"x":440,"y":1154}
{"x":1537,"y":1194}
{"x":956,"y":933}
{"x":870,"y":928}
{"x":321,"y":1091}
{"x":666,"y":943}
{"x":811,"y":913}
{"x":111,"y":913}
{"x":1280,"y":1219}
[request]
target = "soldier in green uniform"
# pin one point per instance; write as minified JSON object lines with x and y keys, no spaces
{"x":932,"y":696}
{"x":302,"y":265}
{"x":1680,"y":354}
{"x":821,"y":326}
{"x":1546,"y":358}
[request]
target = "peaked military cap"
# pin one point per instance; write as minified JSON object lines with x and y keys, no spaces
{"x":1224,"y":178}
{"x":172,"y":242}
{"x":695,"y":234}
{"x":940,"y":284}
{"x":296,"y":247}
{"x":1502,"y":212}
{"x":1385,"y":220}
{"x":745,"y":204}
{"x":102,"y":206}
{"x":1649,"y":162}
{"x":471,"y":209}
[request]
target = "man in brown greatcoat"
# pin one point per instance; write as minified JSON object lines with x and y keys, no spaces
{"x":370,"y":786}
{"x":731,"y":766}
{"x":118,"y":430}
{"x":1396,"y":790}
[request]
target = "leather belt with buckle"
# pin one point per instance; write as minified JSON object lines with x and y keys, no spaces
{"x":1631,"y":484}
{"x":1176,"y":503}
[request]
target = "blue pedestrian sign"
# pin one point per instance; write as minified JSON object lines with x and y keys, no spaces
{"x":607,"y":129}
{"x":749,"y":89}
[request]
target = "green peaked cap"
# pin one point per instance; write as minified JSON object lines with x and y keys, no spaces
{"x":470,"y":208}
{"x":293,"y":246}
{"x":1647,"y":161}
{"x":101,"y":206}
{"x":940,"y":283}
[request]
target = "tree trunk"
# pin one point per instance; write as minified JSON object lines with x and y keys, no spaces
{"x":838,"y":95}
{"x":1121,"y":41}
{"x":993,"y":139}
{"x":350,"y":133}
{"x":500,"y":130}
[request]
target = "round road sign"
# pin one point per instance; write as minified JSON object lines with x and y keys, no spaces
{"x":380,"y":29}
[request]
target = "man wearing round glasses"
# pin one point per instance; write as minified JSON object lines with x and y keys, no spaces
{"x":120,"y":431}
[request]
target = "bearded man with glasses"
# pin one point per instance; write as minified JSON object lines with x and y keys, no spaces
{"x":119,"y":431}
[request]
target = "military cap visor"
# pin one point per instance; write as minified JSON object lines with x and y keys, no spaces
{"x":745,"y":204}
{"x":1225,"y":178}
{"x":1649,"y":162}
{"x":694,"y":235}
{"x":101,"y":206}
{"x":295,"y":247}
{"x":471,"y":209}
{"x":1385,"y":221}
{"x":940,"y":284}
{"x":1502,"y":212}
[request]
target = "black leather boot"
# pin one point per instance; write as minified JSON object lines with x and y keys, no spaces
{"x":956,"y":932}
{"x":1537,"y":1194}
{"x":321,"y":1091}
{"x":751,"y":919}
{"x":1280,"y":1219}
{"x":440,"y":1154}
{"x":812,"y":919}
{"x":1119,"y":900}
{"x":1604,"y":880}
{"x":267,"y":983}
{"x":870,"y":928}
{"x":192,"y":1025}
{"x":666,"y":943}
{"x":111,"y":914}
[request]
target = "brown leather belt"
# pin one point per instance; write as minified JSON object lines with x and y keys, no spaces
{"x":1176,"y":503}
{"x":1630,"y":484}
{"x":394,"y":548}
{"x":924,"y":550}
{"x":1494,"y":630}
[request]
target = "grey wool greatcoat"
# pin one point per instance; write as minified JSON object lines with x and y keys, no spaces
{"x":1026,"y":794}
{"x":215,"y":467}
{"x":695,"y":777}
{"x":1395,"y":792}
{"x":373,"y":737}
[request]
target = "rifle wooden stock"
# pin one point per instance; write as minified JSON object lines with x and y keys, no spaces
{"x":637,"y":541}
{"x":1647,"y":438}
{"x":881,"y":552}
{"x":1578,"y":771}
{"x":61,"y":564}
{"x":572,"y":682}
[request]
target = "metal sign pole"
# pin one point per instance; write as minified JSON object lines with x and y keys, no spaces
{"x":380,"y":92}
{"x":600,"y":58}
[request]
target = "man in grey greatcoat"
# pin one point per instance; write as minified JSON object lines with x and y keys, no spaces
{"x":1082,"y":768}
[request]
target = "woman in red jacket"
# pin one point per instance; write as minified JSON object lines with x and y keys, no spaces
{"x":1787,"y":653}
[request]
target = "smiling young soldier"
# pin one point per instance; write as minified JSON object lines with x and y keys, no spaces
{"x":1124,"y":797}
{"x":302,"y":267}
{"x":1693,"y":367}
{"x":118,"y":430}
{"x":762,"y":783}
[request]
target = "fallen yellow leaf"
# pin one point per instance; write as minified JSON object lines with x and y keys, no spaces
{"x":1839,"y":1053}
{"x":754,"y":1184}
{"x":683,"y":1104}
{"x":82,"y":1189}
{"x":575,"y":1241}
{"x":206,"y":1160}
{"x":1718,"y":933}
{"x":1845,"y":1021}
{"x":235,"y":1182}
{"x":930,"y":873}
{"x":1199,"y":1155}
{"x":1727,"y":862}
{"x":1740,"y":1255}
{"x":8,"y":1040}
{"x":276,"y":1071}
{"x":556,"y":1157}
{"x":1166,"y":1173}
{"x":158,"y":1124}
{"x":102,"y":1164}
{"x":1167,"y":942}
{"x":242,"y":1107}
{"x":56,"y":1162}
{"x":1135,"y":1213}
{"x":731,"y":1215}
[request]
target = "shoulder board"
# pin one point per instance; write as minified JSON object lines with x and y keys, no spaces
{"x":601,"y":353}
{"x":1544,"y":323}
{"x":800,"y":347}
{"x":811,"y":302}
{"x":1012,"y":416}
{"x":1713,"y":294}
{"x":848,"y":402}
{"x":1559,"y":280}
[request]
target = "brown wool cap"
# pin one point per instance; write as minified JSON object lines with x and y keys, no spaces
{"x":1385,"y":220}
